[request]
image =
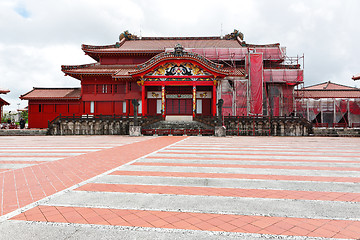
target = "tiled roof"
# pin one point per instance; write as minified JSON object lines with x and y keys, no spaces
{"x":124,"y":70}
{"x":329,"y":90}
{"x":3,"y":102}
{"x":4,"y":91}
{"x":356,"y":77}
{"x":160,"y":44}
{"x":330,"y":86}
{"x":235,"y":71}
{"x":187,"y":43}
{"x":117,"y":71}
{"x":97,"y":69}
{"x":329,"y":93}
{"x":52,"y":93}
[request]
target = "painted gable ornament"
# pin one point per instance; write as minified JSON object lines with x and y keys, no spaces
{"x":179,"y":69}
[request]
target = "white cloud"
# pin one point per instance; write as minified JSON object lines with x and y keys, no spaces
{"x":38,"y":36}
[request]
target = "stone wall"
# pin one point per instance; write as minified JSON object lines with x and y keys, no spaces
{"x":265,"y":126}
{"x":337,"y":132}
{"x":89,"y":127}
{"x":23,"y":132}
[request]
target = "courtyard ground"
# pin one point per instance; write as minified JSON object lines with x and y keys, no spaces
{"x":120,"y":187}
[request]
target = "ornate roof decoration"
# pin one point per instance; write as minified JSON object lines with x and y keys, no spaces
{"x":128,"y":36}
{"x":179,"y":69}
{"x":178,"y":50}
{"x":234,"y":35}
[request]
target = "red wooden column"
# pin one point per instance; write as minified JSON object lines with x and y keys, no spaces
{"x":214,"y":99}
{"x":163,"y":100}
{"x":194,"y":100}
{"x":143,"y":103}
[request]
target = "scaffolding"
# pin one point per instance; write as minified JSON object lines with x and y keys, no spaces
{"x":330,"y":112}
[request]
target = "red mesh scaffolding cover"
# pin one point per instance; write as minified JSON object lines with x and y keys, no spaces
{"x":290,"y":76}
{"x":256,"y":83}
{"x":227,"y":107}
{"x":241,"y":98}
{"x":276,"y":106}
{"x":341,"y":105}
{"x":227,"y":96}
{"x":269,"y":53}
{"x":354,"y":107}
{"x":221,"y":53}
{"x":288,"y":99}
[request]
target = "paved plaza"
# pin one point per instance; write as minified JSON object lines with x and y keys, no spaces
{"x":178,"y":187}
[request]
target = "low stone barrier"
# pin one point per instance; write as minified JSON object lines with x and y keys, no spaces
{"x":337,"y":132}
{"x":89,"y":127}
{"x":23,"y":132}
{"x":267,"y":126}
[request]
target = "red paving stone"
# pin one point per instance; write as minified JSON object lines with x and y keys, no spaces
{"x":21,"y":187}
{"x":225,"y":165}
{"x":238,"y":176}
{"x":21,"y":162}
{"x":31,"y":156}
{"x":195,"y":221}
{"x":225,"y":192}
{"x":45,"y":151}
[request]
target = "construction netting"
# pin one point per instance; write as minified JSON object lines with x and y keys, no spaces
{"x":330,"y":112}
{"x":256,"y":83}
{"x":226,"y":54}
{"x":289,"y":76}
{"x":281,"y":99}
{"x":227,"y":94}
{"x":277,"y":100}
{"x":241,"y":104}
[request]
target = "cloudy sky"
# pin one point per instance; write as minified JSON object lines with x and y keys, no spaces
{"x":38,"y":36}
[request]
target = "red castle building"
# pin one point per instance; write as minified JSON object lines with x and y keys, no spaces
{"x":172,"y":76}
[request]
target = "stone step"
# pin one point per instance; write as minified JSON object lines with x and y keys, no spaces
{"x":178,"y":125}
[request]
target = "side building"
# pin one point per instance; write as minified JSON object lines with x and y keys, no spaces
{"x":171,"y":76}
{"x":330,"y":105}
{"x":3,"y":102}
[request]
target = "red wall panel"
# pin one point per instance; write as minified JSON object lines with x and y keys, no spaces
{"x":104,"y":108}
{"x":74,"y":108}
{"x":118,"y":108}
{"x":62,"y":108}
{"x":206,"y":106}
{"x":151,"y":107}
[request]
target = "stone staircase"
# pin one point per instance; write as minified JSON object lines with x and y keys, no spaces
{"x":191,"y":128}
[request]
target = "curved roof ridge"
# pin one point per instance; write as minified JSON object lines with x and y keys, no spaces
{"x":262,"y":45}
{"x":73,"y":67}
{"x":185,"y":55}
